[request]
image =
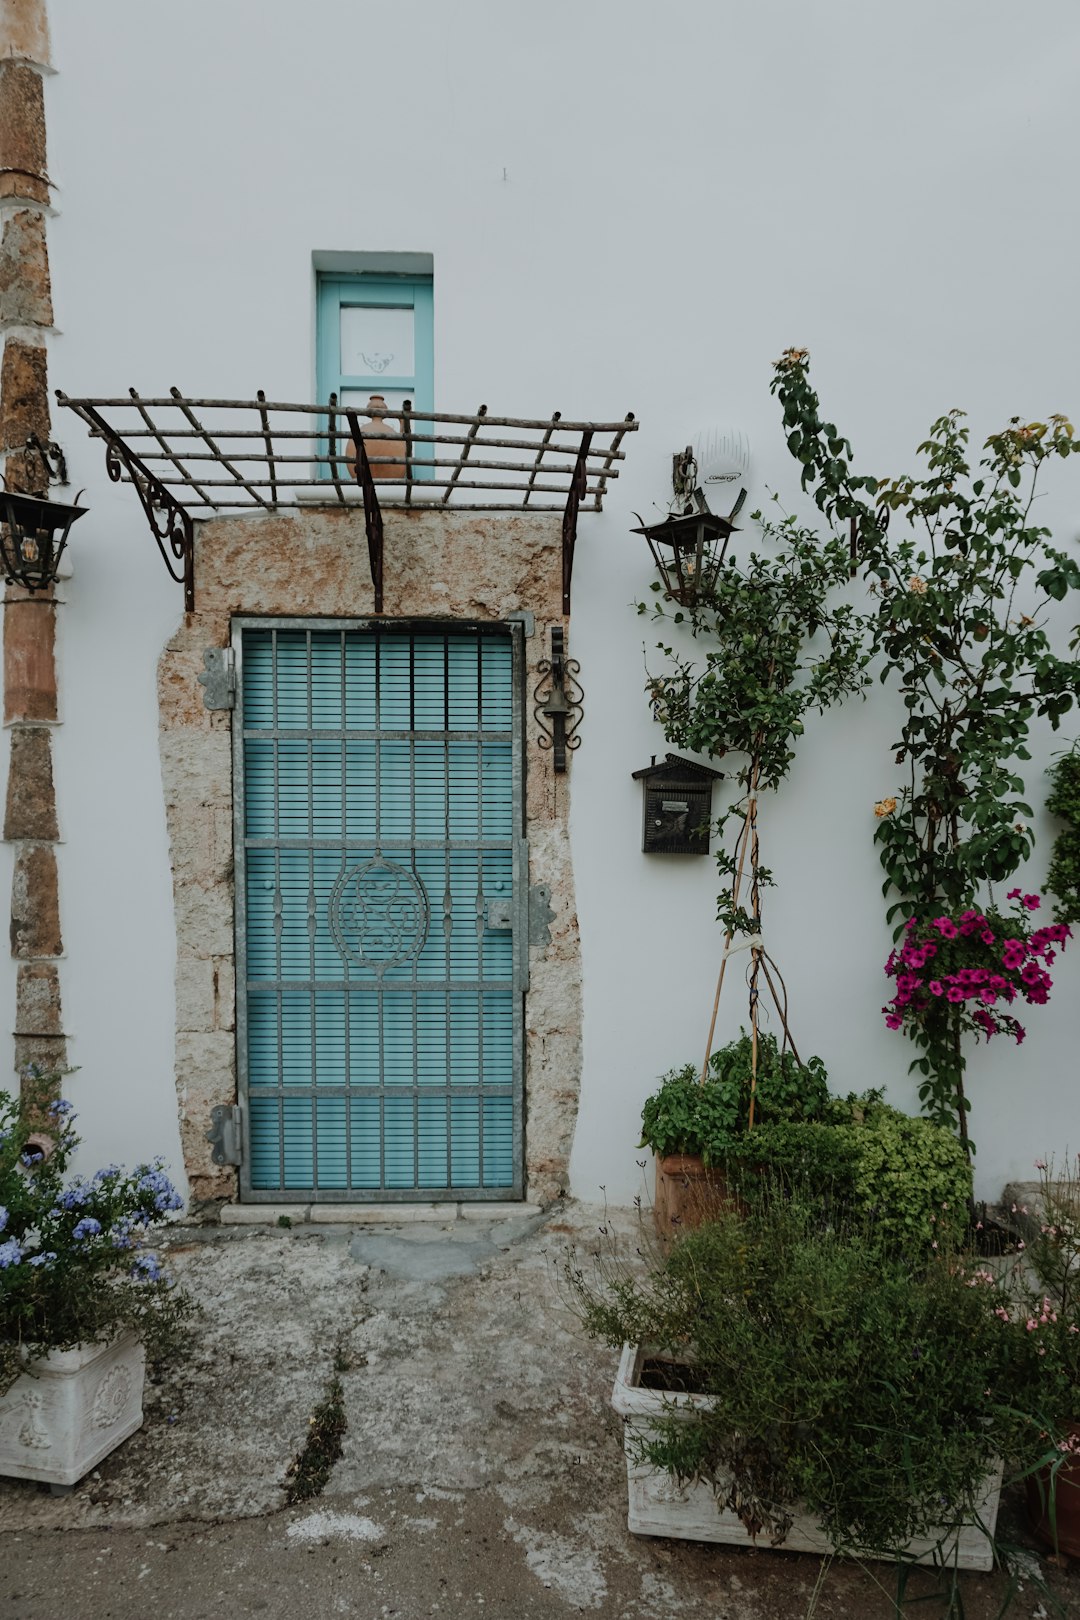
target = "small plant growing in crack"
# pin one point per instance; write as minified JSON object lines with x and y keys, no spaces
{"x":309,"y":1472}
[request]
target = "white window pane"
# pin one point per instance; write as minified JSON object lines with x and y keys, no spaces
{"x":377,"y":341}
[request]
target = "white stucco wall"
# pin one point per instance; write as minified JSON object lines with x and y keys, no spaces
{"x":629,"y":207}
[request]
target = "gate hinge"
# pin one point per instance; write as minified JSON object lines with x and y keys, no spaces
{"x":541,"y":915}
{"x":226,"y":1134}
{"x":218,"y":679}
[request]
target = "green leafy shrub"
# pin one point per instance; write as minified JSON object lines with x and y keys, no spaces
{"x":872,"y":1387}
{"x":75,"y":1267}
{"x":1063,"y":876}
{"x":909,"y":1179}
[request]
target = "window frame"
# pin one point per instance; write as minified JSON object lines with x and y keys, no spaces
{"x":335,"y":290}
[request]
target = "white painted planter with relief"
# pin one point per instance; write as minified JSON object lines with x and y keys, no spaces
{"x":661,"y":1506}
{"x":58,"y":1421}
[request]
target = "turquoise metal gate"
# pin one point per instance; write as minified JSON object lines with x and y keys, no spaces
{"x":381,"y":910}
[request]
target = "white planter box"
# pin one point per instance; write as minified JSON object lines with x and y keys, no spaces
{"x":57,"y":1422}
{"x":661,"y":1506}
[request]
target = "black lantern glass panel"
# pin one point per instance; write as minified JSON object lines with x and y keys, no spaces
{"x":33,"y":536}
{"x":688,"y":549}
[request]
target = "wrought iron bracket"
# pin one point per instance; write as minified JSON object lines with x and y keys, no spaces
{"x":226,"y":1133}
{"x":558,"y":701}
{"x":579,"y":484}
{"x":218,"y":679}
{"x":373,"y":522}
{"x":170,"y":523}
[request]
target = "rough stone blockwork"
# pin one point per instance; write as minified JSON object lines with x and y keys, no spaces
{"x":24,"y":31}
{"x":29,"y":657}
{"x":22,"y":133}
{"x":25,"y":286}
{"x":31,"y":802}
{"x":439,"y":565}
{"x":35,"y":904}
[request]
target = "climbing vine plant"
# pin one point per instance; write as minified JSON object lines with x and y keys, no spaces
{"x":774,"y":641}
{"x":962,"y":576}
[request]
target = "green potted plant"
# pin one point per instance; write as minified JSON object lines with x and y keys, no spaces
{"x":82,"y":1297}
{"x":857,"y":1154}
{"x":694,"y":1126}
{"x":789,"y":1377}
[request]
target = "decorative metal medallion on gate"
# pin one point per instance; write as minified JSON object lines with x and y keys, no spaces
{"x":379,"y":915}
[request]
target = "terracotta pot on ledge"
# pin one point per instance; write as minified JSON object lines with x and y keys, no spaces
{"x":381,"y":438}
{"x":1065,"y":1519}
{"x":689,"y":1193}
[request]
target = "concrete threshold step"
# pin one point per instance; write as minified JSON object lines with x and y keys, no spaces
{"x":372,"y":1214}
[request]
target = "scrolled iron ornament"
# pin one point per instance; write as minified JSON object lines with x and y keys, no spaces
{"x":558,"y":701}
{"x":379,"y":914}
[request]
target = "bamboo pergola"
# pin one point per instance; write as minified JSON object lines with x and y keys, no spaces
{"x":197,"y":457}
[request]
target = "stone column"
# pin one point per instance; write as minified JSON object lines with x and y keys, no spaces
{"x":30,"y":708}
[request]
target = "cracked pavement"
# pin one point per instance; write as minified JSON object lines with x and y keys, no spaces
{"x":481,"y":1470}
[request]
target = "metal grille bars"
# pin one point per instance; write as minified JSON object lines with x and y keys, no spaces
{"x":197,"y":457}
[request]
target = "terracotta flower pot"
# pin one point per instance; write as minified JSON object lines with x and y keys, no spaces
{"x":1057,"y":1522}
{"x":382,"y":441}
{"x":688,"y":1193}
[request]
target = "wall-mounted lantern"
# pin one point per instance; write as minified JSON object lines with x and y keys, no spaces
{"x":688,"y":546}
{"x":678,"y":806}
{"x":33,"y":536}
{"x":689,"y":551}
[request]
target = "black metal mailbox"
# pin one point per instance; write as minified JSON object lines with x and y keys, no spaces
{"x":678,"y":806}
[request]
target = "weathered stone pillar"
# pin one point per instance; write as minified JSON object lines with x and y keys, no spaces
{"x":30,"y":708}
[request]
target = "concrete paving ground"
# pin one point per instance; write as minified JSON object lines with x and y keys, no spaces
{"x":481,"y":1471}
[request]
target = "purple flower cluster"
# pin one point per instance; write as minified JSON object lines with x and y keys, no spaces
{"x":979,"y":963}
{"x":156,"y":1187}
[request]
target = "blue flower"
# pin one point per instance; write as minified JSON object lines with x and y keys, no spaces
{"x":86,"y":1228}
{"x":60,"y":1108}
{"x":146,"y":1268}
{"x":3,"y":1218}
{"x":42,"y":1259}
{"x":109,"y":1173}
{"x":156,"y":1183}
{"x":10,"y":1254}
{"x":121,"y":1232}
{"x":74,"y":1195}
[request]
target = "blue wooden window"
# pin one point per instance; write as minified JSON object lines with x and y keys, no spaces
{"x":375,"y":335}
